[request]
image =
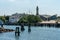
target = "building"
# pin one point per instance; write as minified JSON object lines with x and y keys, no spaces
{"x":37,"y":10}
{"x":44,"y":17}
{"x":48,"y":17}
{"x":15,"y":17}
{"x":54,"y":17}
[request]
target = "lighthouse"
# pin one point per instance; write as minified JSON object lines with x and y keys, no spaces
{"x":37,"y":10}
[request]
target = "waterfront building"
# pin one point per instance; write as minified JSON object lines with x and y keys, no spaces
{"x":15,"y":17}
{"x":44,"y":17}
{"x":54,"y":17}
{"x":48,"y":17}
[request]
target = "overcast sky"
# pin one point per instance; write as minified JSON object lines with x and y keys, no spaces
{"x":9,"y":7}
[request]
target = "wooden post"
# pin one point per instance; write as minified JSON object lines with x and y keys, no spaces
{"x":29,"y":29}
{"x":17,"y":32}
{"x":22,"y":27}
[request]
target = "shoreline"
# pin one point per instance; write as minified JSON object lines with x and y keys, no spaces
{"x":38,"y":24}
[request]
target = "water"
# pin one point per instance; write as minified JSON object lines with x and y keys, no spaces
{"x":37,"y":33}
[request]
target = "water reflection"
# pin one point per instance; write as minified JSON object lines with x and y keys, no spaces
{"x":29,"y":30}
{"x":16,"y":37}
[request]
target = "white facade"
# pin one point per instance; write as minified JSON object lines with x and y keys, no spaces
{"x":15,"y":18}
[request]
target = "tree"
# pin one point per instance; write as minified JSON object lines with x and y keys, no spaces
{"x":37,"y":19}
{"x":7,"y":17}
{"x":30,"y":19}
{"x":23,"y":19}
{"x":2,"y":18}
{"x":34,"y":19}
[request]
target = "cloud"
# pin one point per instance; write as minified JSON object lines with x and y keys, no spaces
{"x":12,"y":0}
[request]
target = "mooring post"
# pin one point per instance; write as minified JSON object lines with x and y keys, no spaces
{"x":17,"y":32}
{"x":29,"y":28}
{"x":22,"y":27}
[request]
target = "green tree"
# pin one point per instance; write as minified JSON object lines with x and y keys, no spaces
{"x":30,"y":19}
{"x":23,"y":19}
{"x":2,"y":18}
{"x":7,"y":17}
{"x":37,"y":19}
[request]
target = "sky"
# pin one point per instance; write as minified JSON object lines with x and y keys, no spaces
{"x":49,"y":7}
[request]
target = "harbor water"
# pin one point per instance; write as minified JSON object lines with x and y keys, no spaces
{"x":37,"y":33}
